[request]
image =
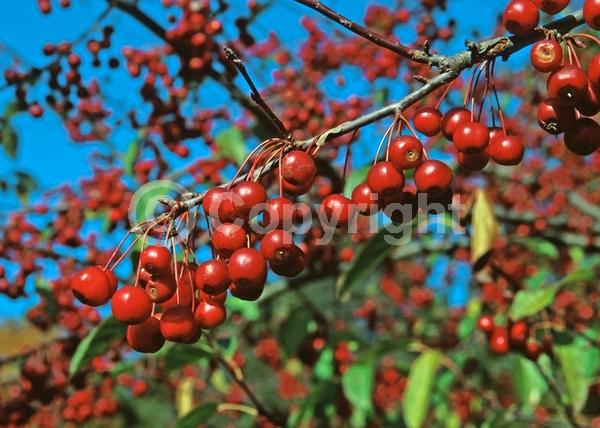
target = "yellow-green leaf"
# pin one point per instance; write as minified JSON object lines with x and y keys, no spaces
{"x":418,"y":390}
{"x":484,"y":229}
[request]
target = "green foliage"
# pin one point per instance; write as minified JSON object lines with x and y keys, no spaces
{"x":96,"y":343}
{"x":357,"y":383}
{"x":232,"y":144}
{"x":294,"y":329}
{"x":197,"y":416}
{"x":418,"y":390}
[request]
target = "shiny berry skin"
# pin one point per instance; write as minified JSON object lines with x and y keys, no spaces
{"x":298,"y":167}
{"x":210,"y":314}
{"x":593,"y":71}
{"x":247,"y":268}
{"x":384,"y":179}
{"x":247,"y":292}
{"x":452,"y":119}
{"x":212,"y":276}
{"x":406,"y":152}
{"x":184,"y":295}
{"x":156,"y":259}
{"x":507,"y":150}
{"x":228,"y":237}
{"x":518,"y":333}
{"x":251,"y":194}
{"x":555,"y":118}
{"x":177,"y":324}
{"x":145,"y":337}
{"x":218,"y":205}
{"x":113,"y":282}
{"x":546,"y":56}
{"x":428,"y":121}
{"x":591,"y":13}
{"x":276,"y":245}
{"x":499,"y":341}
{"x":495,"y":132}
{"x":216,"y":297}
{"x":292,"y":266}
{"x":567,"y":84}
{"x":337,"y":209}
{"x":485,"y":323}
{"x":131,"y":305}
{"x":584,"y":138}
{"x":473,"y":162}
{"x":280,"y":213}
{"x":590,"y":103}
{"x":521,"y":17}
{"x":91,"y":286}
{"x":471,"y":137}
{"x":365,"y":199}
{"x":161,"y":288}
{"x":433,"y":177}
{"x":551,"y":7}
{"x":297,"y":190}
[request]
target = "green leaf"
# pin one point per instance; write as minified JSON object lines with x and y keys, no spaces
{"x":293,"y":330}
{"x":96,"y":343}
{"x":9,"y":140}
{"x":541,"y":247}
{"x":355,"y":178}
{"x":180,"y":355}
{"x":418,"y":390}
{"x":530,"y":302}
{"x":357,"y":384}
{"x":579,"y":361}
{"x":130,"y":156}
{"x":42,"y":287}
{"x":484,"y":229}
{"x":232,"y":144}
{"x":368,"y":257}
{"x":199,"y":415}
{"x":249,"y":310}
{"x":324,"y":368}
{"x":25,"y":184}
{"x":530,"y":385}
{"x":306,"y":410}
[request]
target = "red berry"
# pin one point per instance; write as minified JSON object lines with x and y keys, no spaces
{"x":131,"y":305}
{"x":280,"y":213}
{"x":177,"y":324}
{"x":247,"y":292}
{"x":297,"y":190}
{"x":551,"y":7}
{"x":584,"y":138}
{"x":533,"y":349}
{"x":433,"y":177}
{"x":567,"y":84}
{"x":91,"y":286}
{"x":590,"y":103}
{"x":156,"y":260}
{"x":485,"y":323}
{"x":593,"y":71}
{"x":364,"y":199}
{"x":218,"y":205}
{"x":276,"y":245}
{"x":36,"y":110}
{"x":428,"y":121}
{"x":555,"y":118}
{"x":338,"y":209}
{"x":499,"y":341}
{"x":507,"y":150}
{"x":521,"y":17}
{"x":298,"y":168}
{"x":145,"y":337}
{"x":474,"y":161}
{"x":406,"y":152}
{"x":228,"y":237}
{"x":210,"y":314}
{"x":216,"y":297}
{"x":384,"y":179}
{"x":292,"y":266}
{"x":113,"y":282}
{"x":161,"y":288}
{"x":471,"y":137}
{"x":251,"y":195}
{"x":212,"y":277}
{"x":591,"y":13}
{"x":247,"y":268}
{"x":452,"y":119}
{"x":184,"y":295}
{"x":401,"y":208}
{"x":546,"y":56}
{"x":519,"y":332}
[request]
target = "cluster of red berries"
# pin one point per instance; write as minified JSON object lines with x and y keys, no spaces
{"x":45,"y":6}
{"x":516,"y":337}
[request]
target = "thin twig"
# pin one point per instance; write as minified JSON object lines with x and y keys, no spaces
{"x":239,"y":64}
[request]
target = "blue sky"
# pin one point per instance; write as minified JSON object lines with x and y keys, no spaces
{"x":45,"y":150}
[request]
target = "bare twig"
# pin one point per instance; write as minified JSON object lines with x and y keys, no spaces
{"x":235,"y":59}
